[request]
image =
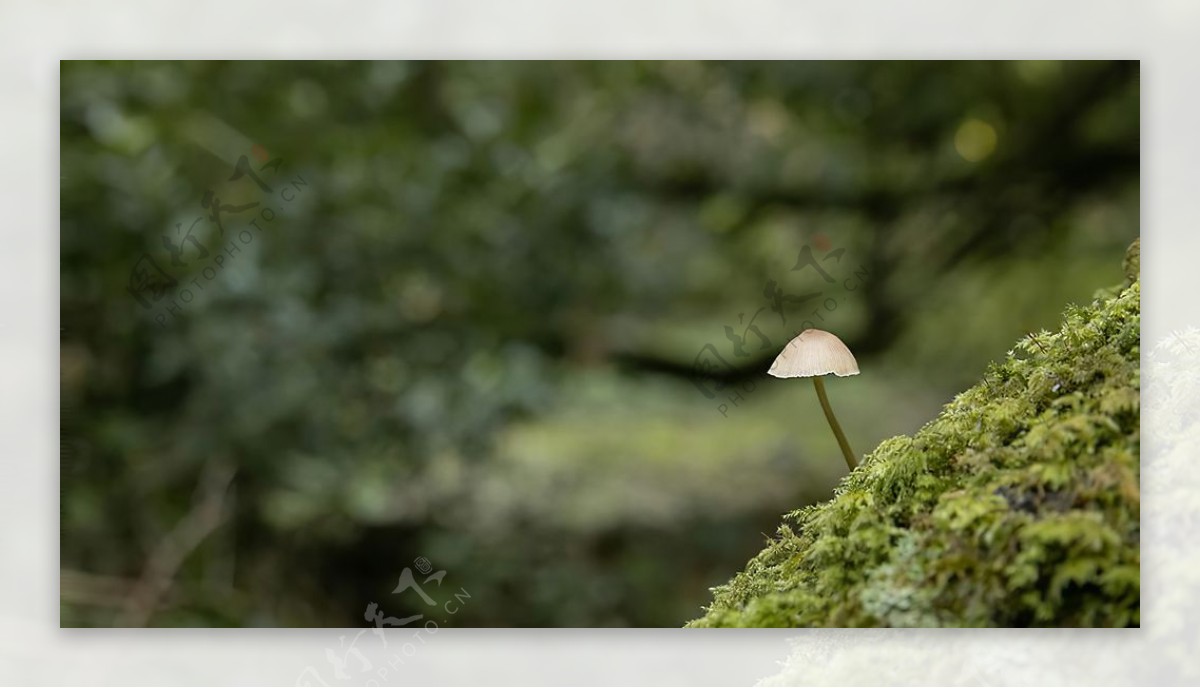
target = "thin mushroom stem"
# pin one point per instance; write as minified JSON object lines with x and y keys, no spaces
{"x":833,"y":422}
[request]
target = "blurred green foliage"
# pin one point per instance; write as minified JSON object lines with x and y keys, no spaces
{"x":469,"y":329}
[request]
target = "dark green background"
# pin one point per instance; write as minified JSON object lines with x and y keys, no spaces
{"x":469,"y":331}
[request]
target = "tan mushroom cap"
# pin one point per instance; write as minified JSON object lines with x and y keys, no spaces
{"x":812,"y":353}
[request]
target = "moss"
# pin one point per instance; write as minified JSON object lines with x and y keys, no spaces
{"x":1017,"y":506}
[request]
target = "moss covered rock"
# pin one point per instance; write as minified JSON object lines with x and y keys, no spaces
{"x":1017,"y":506}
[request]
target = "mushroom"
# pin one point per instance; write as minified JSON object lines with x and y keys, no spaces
{"x":814,"y":353}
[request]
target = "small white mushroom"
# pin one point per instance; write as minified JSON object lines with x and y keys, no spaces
{"x":814,"y":353}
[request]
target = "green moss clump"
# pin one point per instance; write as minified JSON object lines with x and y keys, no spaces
{"x":1017,"y":506}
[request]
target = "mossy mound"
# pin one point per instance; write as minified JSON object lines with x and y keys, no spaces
{"x":1017,"y":506}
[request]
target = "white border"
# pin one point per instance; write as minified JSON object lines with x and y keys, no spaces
{"x":34,"y":36}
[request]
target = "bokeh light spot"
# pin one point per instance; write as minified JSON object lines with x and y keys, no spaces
{"x":975,"y":140}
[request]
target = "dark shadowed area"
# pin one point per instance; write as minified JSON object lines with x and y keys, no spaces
{"x":358,"y":343}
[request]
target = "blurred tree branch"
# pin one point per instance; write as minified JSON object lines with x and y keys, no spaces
{"x":206,"y":514}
